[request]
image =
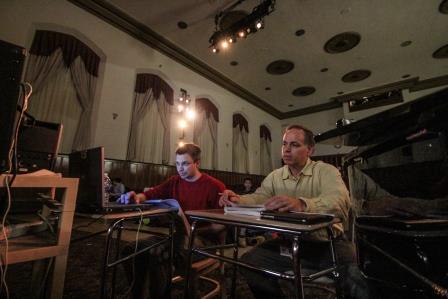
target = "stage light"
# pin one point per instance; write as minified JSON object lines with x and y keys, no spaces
{"x":181,"y":143}
{"x":241,"y":28}
{"x":224,"y":44}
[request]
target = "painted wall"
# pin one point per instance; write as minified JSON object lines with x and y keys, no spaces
{"x":123,"y":57}
{"x":319,"y":122}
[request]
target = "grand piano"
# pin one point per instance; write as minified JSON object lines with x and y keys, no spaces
{"x":398,"y":179}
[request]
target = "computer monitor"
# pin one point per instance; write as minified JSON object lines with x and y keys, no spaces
{"x":88,"y":166}
{"x":11,"y":65}
{"x":38,"y":145}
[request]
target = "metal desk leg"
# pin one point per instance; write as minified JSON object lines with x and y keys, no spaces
{"x":117,"y":256}
{"x":235,"y":258}
{"x":334,"y":261}
{"x":188,"y":263}
{"x":171,"y":258}
{"x":106,"y":260}
{"x":298,"y":286}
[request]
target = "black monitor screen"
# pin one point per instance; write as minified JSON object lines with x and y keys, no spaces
{"x":37,"y":145}
{"x":88,"y":166}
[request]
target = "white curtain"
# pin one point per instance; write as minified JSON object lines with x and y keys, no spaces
{"x":149,"y":135}
{"x":213,"y":125}
{"x":164,"y":114}
{"x":54,"y":97}
{"x":205,"y":135}
{"x":240,"y":161}
{"x":265,"y":156}
{"x":85,"y":85}
{"x":62,"y":93}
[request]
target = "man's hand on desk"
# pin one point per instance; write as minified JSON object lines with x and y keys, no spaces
{"x":131,"y":197}
{"x":228,"y":198}
{"x":285,"y":203}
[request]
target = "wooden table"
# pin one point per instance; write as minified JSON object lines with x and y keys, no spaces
{"x":37,"y":247}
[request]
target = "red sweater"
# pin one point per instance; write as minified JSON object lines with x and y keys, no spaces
{"x":198,"y":195}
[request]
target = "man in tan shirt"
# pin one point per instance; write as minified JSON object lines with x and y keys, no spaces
{"x":300,"y":185}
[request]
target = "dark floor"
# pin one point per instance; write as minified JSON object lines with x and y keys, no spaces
{"x":84,"y":273}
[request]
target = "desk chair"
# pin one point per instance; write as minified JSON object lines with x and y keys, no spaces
{"x":199,"y":270}
{"x":213,"y":234}
{"x":326,"y":279}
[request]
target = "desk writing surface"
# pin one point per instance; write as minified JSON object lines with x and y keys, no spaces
{"x":127,"y":214}
{"x":218,"y":216}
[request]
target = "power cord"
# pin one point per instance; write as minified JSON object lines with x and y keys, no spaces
{"x":8,"y":183}
{"x":5,"y":235}
{"x":90,"y":223}
{"x":133,"y":258}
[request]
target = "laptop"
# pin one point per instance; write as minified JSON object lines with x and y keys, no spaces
{"x":296,"y":217}
{"x":88,"y":166}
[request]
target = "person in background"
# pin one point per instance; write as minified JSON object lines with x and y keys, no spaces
{"x":246,"y":188}
{"x":118,"y":188}
{"x":301,"y":185}
{"x":193,"y":190}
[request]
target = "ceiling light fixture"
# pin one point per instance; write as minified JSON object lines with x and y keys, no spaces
{"x":223,"y":37}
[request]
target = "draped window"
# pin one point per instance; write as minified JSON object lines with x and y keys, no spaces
{"x":63,"y":72}
{"x":240,"y":161}
{"x":206,"y":132}
{"x":265,"y":150}
{"x":149,"y":138}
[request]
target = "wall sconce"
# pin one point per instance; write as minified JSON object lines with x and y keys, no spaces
{"x":186,"y":113}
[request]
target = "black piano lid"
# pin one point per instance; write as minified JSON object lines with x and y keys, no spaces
{"x":413,"y":121}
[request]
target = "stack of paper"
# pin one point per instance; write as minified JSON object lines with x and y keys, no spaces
{"x":251,"y":210}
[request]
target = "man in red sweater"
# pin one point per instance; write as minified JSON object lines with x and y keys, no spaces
{"x":194,"y":191}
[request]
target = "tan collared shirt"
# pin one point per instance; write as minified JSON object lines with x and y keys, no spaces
{"x":319,"y":185}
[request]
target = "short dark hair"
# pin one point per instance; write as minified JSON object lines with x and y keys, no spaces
{"x":190,"y":148}
{"x":309,"y":136}
{"x":247,"y":179}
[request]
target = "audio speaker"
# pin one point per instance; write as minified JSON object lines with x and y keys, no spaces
{"x":11,"y":66}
